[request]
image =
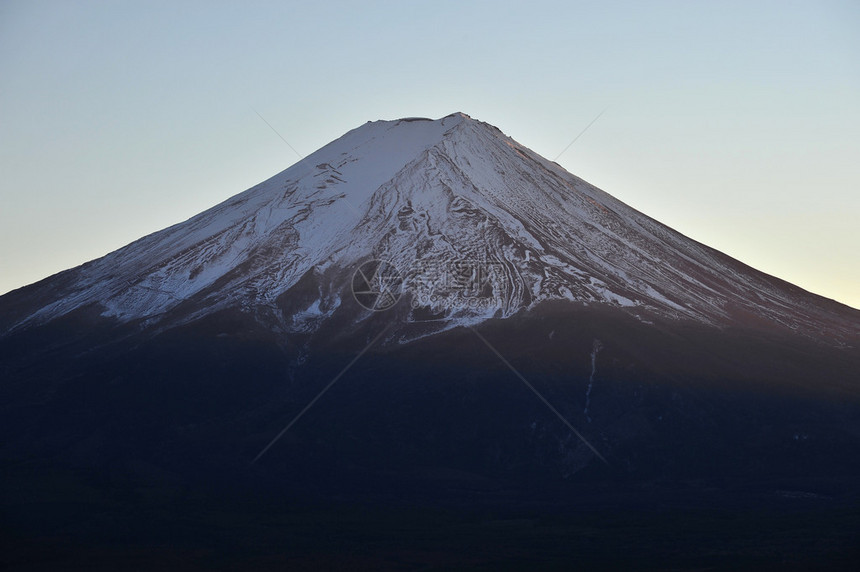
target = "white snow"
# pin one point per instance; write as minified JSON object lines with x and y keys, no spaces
{"x":418,"y":190}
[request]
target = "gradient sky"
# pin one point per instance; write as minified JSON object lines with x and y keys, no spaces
{"x":736,"y":123}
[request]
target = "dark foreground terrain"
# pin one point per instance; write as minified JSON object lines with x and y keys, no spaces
{"x":56,"y":521}
{"x":724,"y":449}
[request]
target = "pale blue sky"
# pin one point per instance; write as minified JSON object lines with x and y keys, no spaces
{"x":736,"y":123}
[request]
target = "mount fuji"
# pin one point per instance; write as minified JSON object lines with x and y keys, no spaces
{"x":440,"y":196}
{"x":432,"y":266}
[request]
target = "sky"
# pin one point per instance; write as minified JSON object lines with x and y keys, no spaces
{"x":736,"y":123}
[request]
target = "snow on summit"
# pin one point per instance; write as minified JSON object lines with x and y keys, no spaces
{"x":434,"y":198}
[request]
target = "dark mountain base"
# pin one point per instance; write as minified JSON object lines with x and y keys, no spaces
{"x":725,"y":449}
{"x":66,"y":524}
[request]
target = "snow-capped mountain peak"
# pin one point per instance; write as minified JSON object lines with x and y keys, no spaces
{"x":478,"y":226}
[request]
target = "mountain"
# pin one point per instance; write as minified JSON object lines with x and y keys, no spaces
{"x":422,"y":195}
{"x":503,"y":335}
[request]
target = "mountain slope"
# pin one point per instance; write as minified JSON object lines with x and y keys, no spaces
{"x":139,"y":391}
{"x":429,"y":197}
